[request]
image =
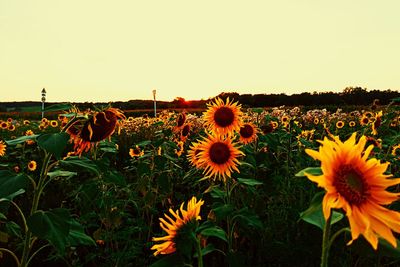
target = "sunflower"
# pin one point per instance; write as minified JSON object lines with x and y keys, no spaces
{"x":28,"y":133}
{"x":53,"y":123}
{"x":223,"y":118}
{"x":339,"y":124}
{"x":26,"y":122}
{"x":193,"y":155}
{"x":364,"y":120}
{"x":285,"y":119}
{"x":377,"y":122}
{"x":185,"y":132}
{"x":357,"y":185}
{"x":219,"y":156}
{"x":44,"y":120}
{"x":2,"y":148}
{"x":136,"y":152}
{"x":395,"y":150}
{"x":4,"y":125}
{"x":11,"y":127}
{"x":85,"y":134}
{"x":175,"y":224}
{"x":248,"y":133}
{"x":179,"y":150}
{"x":352,"y":123}
{"x":32,"y":165}
{"x":180,"y":120}
{"x":9,"y":120}
{"x":316,"y":120}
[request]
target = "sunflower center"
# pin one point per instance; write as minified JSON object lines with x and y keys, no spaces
{"x":219,"y":153}
{"x":350,"y":183}
{"x":185,"y":130}
{"x":246,"y":131}
{"x":224,"y":116}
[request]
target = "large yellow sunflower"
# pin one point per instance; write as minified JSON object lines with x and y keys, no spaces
{"x":219,"y":156}
{"x":193,"y":155}
{"x":223,"y":118}
{"x":98,"y":127}
{"x":173,"y":225}
{"x":2,"y":148}
{"x":357,"y":185}
{"x":248,"y":133}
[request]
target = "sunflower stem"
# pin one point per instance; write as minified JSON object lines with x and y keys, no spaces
{"x":326,"y":242}
{"x":199,"y":255}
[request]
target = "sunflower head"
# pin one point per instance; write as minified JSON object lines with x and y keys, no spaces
{"x":181,"y":119}
{"x":248,"y":133}
{"x":136,"y":152}
{"x":179,"y":228}
{"x":3,"y":147}
{"x":194,"y":155}
{"x":352,"y":123}
{"x":223,"y":118}
{"x":32,"y":165}
{"x":4,"y":125}
{"x":101,"y":125}
{"x":53,"y":123}
{"x":11,"y":127}
{"x":185,"y":132}
{"x":357,"y":185}
{"x":339,"y":124}
{"x":219,"y":157}
{"x":26,"y":122}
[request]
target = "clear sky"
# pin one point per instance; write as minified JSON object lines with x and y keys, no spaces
{"x":94,"y":50}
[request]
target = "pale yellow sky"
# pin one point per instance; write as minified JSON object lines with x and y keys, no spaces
{"x":93,"y":50}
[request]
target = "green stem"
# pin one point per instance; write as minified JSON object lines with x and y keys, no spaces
{"x":326,"y":242}
{"x":36,"y":252}
{"x":22,"y":215}
{"x":199,"y":255}
{"x":335,"y":235}
{"x":12,"y":254}
{"x":36,"y":197}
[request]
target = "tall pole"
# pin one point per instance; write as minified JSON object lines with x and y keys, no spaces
{"x":43,"y":100}
{"x":154,"y":96}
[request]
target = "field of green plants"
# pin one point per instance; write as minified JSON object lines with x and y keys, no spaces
{"x":230,"y":187}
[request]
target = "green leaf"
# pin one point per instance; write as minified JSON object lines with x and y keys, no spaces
{"x":251,"y":182}
{"x":2,"y":216}
{"x":314,"y":214}
{"x":21,"y":139}
{"x":144,"y":143}
{"x":82,"y":163}
{"x":13,"y":229}
{"x":60,"y":173}
{"x":217,"y":193}
{"x":311,"y":170}
{"x":248,"y":218}
{"x":11,"y":184}
{"x":115,"y":178}
{"x":222,"y":211}
{"x":54,"y":143}
{"x":216,"y":232}
{"x":77,"y":235}
{"x":169,"y":261}
{"x":53,"y":226}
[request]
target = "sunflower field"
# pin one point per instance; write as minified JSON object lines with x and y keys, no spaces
{"x":226,"y":187}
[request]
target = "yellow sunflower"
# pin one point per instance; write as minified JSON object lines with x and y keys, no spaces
{"x":377,"y":122}
{"x":2,"y":148}
{"x":357,"y":185}
{"x":364,"y":120}
{"x":173,"y":226}
{"x":395,"y":150}
{"x":32,"y":165}
{"x":193,"y":155}
{"x":223,"y":118}
{"x":248,"y":133}
{"x":316,"y":120}
{"x":179,"y":151}
{"x":28,"y":133}
{"x":87,"y":133}
{"x":11,"y":127}
{"x":352,"y":123}
{"x":219,"y":157}
{"x":285,"y":119}
{"x":53,"y":123}
{"x":4,"y":125}
{"x":136,"y":152}
{"x":26,"y":122}
{"x":339,"y":124}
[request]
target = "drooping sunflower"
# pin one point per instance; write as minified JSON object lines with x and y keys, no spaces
{"x":2,"y":148}
{"x":223,"y":118}
{"x":377,"y":122}
{"x":357,"y":185}
{"x":185,"y":132}
{"x":32,"y":165}
{"x":339,"y":124}
{"x":174,"y":225}
{"x":136,"y":152}
{"x":100,"y":126}
{"x":219,"y":157}
{"x":248,"y":133}
{"x":180,"y":120}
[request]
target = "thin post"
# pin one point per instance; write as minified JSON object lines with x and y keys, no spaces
{"x":155,"y":106}
{"x":43,"y":100}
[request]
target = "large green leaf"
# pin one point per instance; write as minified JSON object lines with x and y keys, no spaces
{"x":77,"y":163}
{"x":311,"y":170}
{"x":77,"y":235}
{"x":115,"y":178}
{"x":216,"y":232}
{"x":222,"y":211}
{"x":21,"y":139}
{"x":61,"y":173}
{"x":53,"y":226}
{"x":11,"y":184}
{"x":250,"y":182}
{"x":54,"y":143}
{"x":314,"y":214}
